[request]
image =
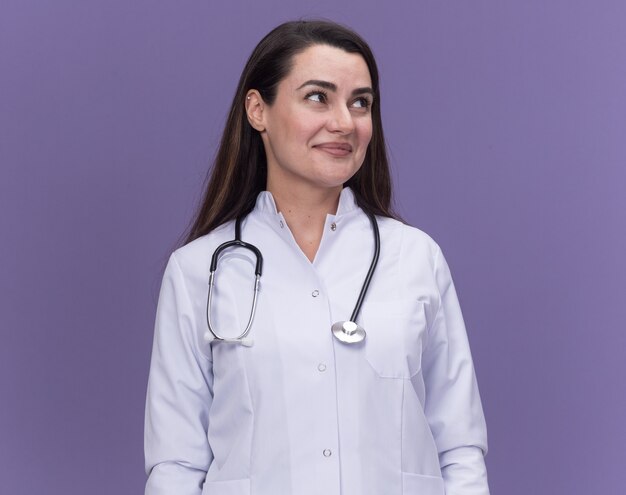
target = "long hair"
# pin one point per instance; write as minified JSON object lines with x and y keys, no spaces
{"x":239,"y":171}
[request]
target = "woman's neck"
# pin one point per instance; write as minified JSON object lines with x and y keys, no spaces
{"x":305,"y":210}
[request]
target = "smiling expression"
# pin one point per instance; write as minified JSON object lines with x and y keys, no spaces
{"x":317,"y":130}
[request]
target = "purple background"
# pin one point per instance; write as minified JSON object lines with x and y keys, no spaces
{"x":506,"y":123}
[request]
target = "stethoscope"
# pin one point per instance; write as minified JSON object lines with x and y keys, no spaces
{"x":348,"y":332}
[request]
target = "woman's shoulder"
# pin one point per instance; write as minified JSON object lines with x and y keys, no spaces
{"x":195,"y":256}
{"x":416,"y":254}
{"x":412,"y":240}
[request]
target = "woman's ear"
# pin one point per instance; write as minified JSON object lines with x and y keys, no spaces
{"x":255,"y":107}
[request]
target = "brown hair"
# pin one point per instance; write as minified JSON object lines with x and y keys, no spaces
{"x":239,"y":171}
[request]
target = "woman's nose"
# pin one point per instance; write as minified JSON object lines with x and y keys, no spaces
{"x":341,"y":120}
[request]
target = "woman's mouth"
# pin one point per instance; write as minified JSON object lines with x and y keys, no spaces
{"x":335,"y":149}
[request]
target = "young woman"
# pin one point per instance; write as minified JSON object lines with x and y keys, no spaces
{"x":344,"y":367}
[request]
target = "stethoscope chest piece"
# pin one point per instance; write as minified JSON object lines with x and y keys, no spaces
{"x":348,"y":332}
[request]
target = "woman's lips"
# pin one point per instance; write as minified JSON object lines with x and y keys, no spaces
{"x":335,"y":149}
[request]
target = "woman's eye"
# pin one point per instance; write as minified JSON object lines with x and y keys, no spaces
{"x":362,"y":103}
{"x":317,"y":96}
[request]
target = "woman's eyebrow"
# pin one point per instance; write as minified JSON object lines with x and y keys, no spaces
{"x":323,"y":84}
{"x":333,"y":87}
{"x":360,"y":91}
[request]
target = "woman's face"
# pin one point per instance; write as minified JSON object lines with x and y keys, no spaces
{"x":317,"y":131}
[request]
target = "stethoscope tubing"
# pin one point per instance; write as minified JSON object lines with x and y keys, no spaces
{"x":237,"y":242}
{"x":372,"y":268}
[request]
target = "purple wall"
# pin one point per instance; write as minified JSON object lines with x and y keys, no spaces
{"x":507,"y":128}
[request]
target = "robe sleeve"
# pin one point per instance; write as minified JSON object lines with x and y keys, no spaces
{"x":177,"y":451}
{"x":452,"y":404}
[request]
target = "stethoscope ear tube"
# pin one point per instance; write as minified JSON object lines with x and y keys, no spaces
{"x":240,"y":338}
{"x":258,"y":270}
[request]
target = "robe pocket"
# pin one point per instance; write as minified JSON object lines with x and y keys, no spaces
{"x":420,"y":484}
{"x":394,"y":334}
{"x":229,"y":487}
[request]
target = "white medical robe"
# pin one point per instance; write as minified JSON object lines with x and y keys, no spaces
{"x":298,"y":412}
